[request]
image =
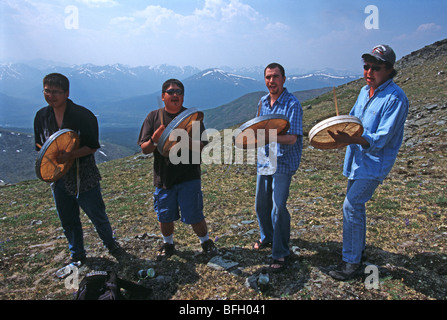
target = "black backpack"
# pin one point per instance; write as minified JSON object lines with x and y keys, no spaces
{"x":105,"y":285}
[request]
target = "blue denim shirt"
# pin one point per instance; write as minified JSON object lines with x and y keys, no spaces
{"x":383,"y":117}
{"x":288,"y":157}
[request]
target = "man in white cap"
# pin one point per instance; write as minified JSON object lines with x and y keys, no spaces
{"x":382,"y":107}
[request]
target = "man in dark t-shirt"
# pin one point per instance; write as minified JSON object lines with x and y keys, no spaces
{"x":80,"y":186}
{"x":177,"y":185}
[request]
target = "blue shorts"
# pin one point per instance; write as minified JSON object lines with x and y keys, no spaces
{"x":185,"y":197}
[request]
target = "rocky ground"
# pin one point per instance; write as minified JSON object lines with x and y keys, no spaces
{"x":406,"y":226}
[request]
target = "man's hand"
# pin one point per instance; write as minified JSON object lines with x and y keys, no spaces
{"x":345,"y":139}
{"x":157,"y":134}
{"x":63,"y":157}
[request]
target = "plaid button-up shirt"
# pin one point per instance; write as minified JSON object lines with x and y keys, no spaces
{"x":288,"y":157}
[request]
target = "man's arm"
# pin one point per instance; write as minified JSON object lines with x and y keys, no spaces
{"x":287,"y":139}
{"x":78,"y":153}
{"x":148,"y":146}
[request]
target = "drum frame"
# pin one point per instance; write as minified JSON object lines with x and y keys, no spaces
{"x":177,"y":121}
{"x":256,"y":123}
{"x":345,"y":123}
{"x":62,"y":167}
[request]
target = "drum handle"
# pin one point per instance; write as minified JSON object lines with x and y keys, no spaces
{"x":335,"y":100}
{"x":259,"y":108}
{"x":160,"y":115}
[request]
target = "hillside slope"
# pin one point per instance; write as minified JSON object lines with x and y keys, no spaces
{"x":245,"y":108}
{"x":406,"y":226}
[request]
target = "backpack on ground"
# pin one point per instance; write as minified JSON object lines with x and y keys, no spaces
{"x":105,"y":285}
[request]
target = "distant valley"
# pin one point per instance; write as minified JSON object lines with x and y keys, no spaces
{"x":122,"y":96}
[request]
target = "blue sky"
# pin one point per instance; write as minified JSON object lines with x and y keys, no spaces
{"x":309,"y":34}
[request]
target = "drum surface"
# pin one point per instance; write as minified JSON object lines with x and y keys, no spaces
{"x":47,"y":168}
{"x":245,"y":137}
{"x":319,"y":137}
{"x":183,"y":121}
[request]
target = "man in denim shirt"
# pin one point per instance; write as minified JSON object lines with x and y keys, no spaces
{"x":273,"y":179}
{"x":382,"y":108}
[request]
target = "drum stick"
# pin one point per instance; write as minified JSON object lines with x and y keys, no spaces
{"x":39,"y":146}
{"x":335,"y":99}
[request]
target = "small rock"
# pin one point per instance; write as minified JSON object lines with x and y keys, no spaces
{"x":431,"y":107}
{"x":252,"y":282}
{"x":219,"y":263}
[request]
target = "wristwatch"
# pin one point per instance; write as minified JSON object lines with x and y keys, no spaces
{"x":153,"y":142}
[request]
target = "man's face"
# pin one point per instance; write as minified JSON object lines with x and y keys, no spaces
{"x":376,"y":74}
{"x":274,"y":81}
{"x":173,"y":97}
{"x":55,"y":96}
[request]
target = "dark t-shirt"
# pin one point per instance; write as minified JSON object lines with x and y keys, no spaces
{"x":84,"y":123}
{"x":167,"y":174}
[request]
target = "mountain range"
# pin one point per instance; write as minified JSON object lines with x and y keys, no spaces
{"x":421,"y":74}
{"x":121,"y":96}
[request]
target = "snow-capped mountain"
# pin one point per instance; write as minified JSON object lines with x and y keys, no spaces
{"x":316,"y":80}
{"x":211,"y":88}
{"x":123,"y":95}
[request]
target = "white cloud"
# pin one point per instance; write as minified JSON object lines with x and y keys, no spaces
{"x":215,"y":17}
{"x":120,"y":20}
{"x":277,"y":27}
{"x":235,"y":9}
{"x":426,"y":27}
{"x":99,"y":3}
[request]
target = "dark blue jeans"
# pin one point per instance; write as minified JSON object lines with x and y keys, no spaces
{"x":68,"y":210}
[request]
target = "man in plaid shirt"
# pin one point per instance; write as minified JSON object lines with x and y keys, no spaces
{"x":273,"y":179}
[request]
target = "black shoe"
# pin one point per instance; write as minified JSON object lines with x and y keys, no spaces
{"x":346,"y":271}
{"x":209,"y":248}
{"x":166,"y":250}
{"x":117,"y":251}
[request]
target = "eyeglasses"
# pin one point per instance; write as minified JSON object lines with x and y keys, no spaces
{"x":48,"y":92}
{"x":373,"y":67}
{"x":171,"y":92}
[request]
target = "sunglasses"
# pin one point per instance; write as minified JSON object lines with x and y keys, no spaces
{"x":366,"y":67}
{"x":48,"y":92}
{"x":171,"y":92}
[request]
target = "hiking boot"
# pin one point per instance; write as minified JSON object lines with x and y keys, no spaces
{"x":166,"y":250}
{"x":117,"y":251}
{"x":346,"y":271}
{"x":209,"y":248}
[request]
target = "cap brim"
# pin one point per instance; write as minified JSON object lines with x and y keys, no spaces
{"x":378,"y":57}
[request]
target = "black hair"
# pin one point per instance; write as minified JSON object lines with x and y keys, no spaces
{"x":275,"y":65}
{"x":57,"y":80}
{"x":170,"y":82}
{"x":387,"y":64}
